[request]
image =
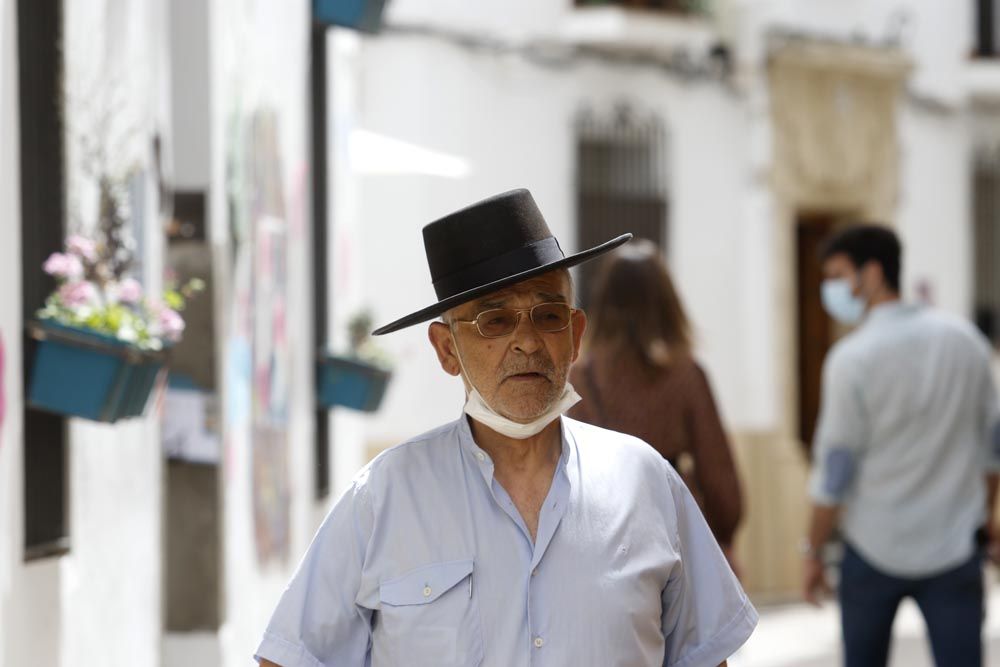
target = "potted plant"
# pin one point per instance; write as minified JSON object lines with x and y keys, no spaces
{"x":358,"y":379}
{"x":99,"y":341}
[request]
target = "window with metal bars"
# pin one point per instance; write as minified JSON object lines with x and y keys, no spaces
{"x":986,"y":29}
{"x":621,"y":181}
{"x":986,"y":242}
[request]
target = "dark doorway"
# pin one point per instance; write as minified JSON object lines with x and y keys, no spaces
{"x":986,"y":242}
{"x":816,"y":332}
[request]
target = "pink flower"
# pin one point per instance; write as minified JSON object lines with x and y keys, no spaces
{"x":172,"y":324}
{"x":63,"y":266}
{"x":130,"y":291}
{"x":77,"y":294}
{"x":82,"y":247}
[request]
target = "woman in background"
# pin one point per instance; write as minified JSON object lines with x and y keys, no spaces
{"x":638,"y":376}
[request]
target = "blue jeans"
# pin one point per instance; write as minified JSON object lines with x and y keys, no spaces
{"x":951,"y":603}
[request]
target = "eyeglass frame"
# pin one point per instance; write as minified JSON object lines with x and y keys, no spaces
{"x":517,"y":321}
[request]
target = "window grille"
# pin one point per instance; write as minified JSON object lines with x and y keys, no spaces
{"x":621,"y":181}
{"x":986,"y":29}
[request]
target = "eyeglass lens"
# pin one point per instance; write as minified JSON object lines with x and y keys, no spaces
{"x":547,"y":317}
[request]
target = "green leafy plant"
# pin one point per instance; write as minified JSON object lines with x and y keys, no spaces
{"x":361,"y":345}
{"x":94,"y":293}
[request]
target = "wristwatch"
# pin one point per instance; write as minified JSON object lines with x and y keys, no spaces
{"x":807,"y":549}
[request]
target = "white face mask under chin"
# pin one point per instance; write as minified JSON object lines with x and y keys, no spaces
{"x":477,"y":408}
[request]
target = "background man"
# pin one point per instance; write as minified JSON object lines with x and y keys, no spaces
{"x":904,"y":458}
{"x":511,"y":536}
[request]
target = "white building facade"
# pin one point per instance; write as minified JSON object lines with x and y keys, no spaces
{"x":775,"y":121}
{"x":193,"y":102}
{"x":781,"y":120}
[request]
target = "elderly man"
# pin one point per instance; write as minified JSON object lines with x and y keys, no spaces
{"x":512,"y":536}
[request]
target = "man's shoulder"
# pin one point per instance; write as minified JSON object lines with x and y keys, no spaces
{"x":847,"y":352}
{"x":423,"y":447}
{"x":612,"y":447}
{"x":959,"y":328}
{"x":918,"y":327}
{"x":614,"y":460}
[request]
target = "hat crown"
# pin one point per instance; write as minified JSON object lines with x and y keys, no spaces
{"x":487,"y":246}
{"x":487,"y":241}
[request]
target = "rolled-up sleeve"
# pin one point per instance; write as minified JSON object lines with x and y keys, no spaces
{"x":841,"y":432}
{"x":706,"y":614}
{"x":318,"y":621}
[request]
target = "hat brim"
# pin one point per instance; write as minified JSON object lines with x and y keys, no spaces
{"x":432,"y":311}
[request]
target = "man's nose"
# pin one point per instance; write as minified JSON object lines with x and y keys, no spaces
{"x":526,"y":338}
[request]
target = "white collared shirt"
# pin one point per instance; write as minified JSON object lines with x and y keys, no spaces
{"x":908,"y":428}
{"x":426,"y":561}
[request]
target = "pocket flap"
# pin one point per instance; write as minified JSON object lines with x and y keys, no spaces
{"x":425,"y":584}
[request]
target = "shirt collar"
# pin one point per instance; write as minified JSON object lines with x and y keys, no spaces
{"x":480,"y":458}
{"x":888,"y":310}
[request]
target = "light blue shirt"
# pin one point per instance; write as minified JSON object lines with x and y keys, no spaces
{"x":426,"y":561}
{"x":909,"y":426}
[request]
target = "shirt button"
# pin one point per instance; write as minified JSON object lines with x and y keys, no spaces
{"x":534,"y":572}
{"x":480,"y":456}
{"x":539,"y":642}
{"x":427,"y":591}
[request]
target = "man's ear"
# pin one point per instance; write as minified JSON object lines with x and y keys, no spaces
{"x":578,"y":325}
{"x":872,"y":275}
{"x":444,"y":345}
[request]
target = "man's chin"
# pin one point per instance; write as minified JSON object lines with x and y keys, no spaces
{"x":523,"y":405}
{"x":524,"y":415}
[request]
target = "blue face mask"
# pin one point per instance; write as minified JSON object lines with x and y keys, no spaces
{"x":840,"y":302}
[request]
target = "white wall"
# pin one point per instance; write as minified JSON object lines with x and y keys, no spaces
{"x":935,"y":207}
{"x":58,"y":611}
{"x":935,"y":35}
{"x":15,"y":615}
{"x":259,"y":61}
{"x":510,"y":122}
{"x":190,"y":98}
{"x":514,"y":18}
{"x":934,"y":210}
{"x":115,"y":59}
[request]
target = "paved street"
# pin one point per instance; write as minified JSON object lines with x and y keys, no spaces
{"x":797,"y":635}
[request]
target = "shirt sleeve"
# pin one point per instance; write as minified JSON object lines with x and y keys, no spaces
{"x":841,"y":432}
{"x":706,"y":614}
{"x":318,"y":622}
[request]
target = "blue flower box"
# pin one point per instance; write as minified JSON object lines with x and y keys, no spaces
{"x":350,"y":383}
{"x":364,"y":15}
{"x":80,"y":373}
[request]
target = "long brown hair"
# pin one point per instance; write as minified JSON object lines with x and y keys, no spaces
{"x":635,"y":309}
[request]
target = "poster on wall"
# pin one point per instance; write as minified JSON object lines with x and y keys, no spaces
{"x":259,"y":355}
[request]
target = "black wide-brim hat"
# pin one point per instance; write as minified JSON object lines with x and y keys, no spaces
{"x":487,"y":246}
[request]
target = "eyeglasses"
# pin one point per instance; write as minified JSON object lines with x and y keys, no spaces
{"x":497,"y":322}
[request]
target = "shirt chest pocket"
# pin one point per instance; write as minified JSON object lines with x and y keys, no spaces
{"x":430,"y":616}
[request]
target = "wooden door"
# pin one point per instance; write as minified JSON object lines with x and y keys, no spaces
{"x":816,"y":331}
